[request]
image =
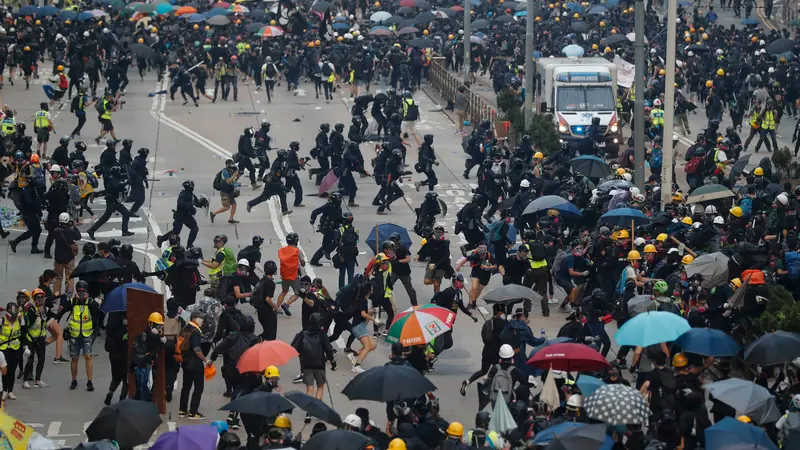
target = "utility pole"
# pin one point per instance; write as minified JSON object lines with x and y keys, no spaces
{"x":467,"y":37}
{"x":669,"y":105}
{"x":529,"y":64}
{"x":638,"y":104}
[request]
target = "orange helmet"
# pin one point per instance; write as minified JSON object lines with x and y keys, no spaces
{"x":34,"y":158}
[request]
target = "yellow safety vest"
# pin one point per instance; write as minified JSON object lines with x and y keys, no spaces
{"x":107,"y":111}
{"x":10,"y":334}
{"x":42,"y":121}
{"x":658,"y":116}
{"x":80,"y":321}
{"x":9,"y":126}
{"x":332,"y":78}
{"x":406,"y":103}
{"x":38,"y":328}
{"x":768,"y":122}
{"x":222,"y":70}
{"x":754,"y":119}
{"x":633,"y":92}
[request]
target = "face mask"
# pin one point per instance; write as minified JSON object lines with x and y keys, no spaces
{"x":155,"y":330}
{"x":199,"y":321}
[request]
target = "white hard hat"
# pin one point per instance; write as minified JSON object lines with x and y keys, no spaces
{"x":353,"y":420}
{"x":627,"y":177}
{"x":757,"y":53}
{"x":460,"y":31}
{"x":783,"y":199}
{"x":761,"y":42}
{"x":678,"y":20}
{"x":763,"y":51}
{"x":719,"y":51}
{"x":63,"y":218}
{"x":506,"y":352}
{"x":85,"y":34}
{"x":796,"y":401}
{"x":711,"y":209}
{"x":352,"y":17}
{"x":639,"y":241}
{"x":243,"y":262}
{"x":634,"y":191}
{"x":575,"y":401}
{"x":58,"y":36}
{"x":771,"y":70}
{"x":335,"y":34}
{"x":360,"y":38}
{"x":652,"y":50}
{"x":348,"y":36}
{"x":55,"y":168}
{"x":2,"y":30}
{"x":638,"y":198}
{"x":719,"y":220}
{"x":12,"y":29}
{"x":696,"y":225}
{"x":657,"y":102}
{"x":691,"y":53}
{"x":675,"y":137}
{"x":524,"y":184}
{"x":106,"y":30}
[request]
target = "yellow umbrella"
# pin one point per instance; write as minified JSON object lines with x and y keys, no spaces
{"x":14,"y":434}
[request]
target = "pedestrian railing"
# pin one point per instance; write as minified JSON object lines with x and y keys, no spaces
{"x":478,"y":109}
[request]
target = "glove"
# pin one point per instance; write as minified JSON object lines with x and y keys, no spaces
{"x":727,"y":306}
{"x":474,"y":319}
{"x":163,"y":339}
{"x":585,"y":273}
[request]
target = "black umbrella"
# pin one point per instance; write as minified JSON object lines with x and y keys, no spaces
{"x":337,"y":440}
{"x":405,"y":11}
{"x":142,"y":51}
{"x":480,"y":24}
{"x":254,"y":27}
{"x":697,"y":48}
{"x":94,"y":266}
{"x":511,"y":293}
{"x":315,"y":407}
{"x":388,"y":384}
{"x":258,"y":14}
{"x":773,"y":348}
{"x":615,"y":38}
{"x":407,"y":30}
{"x":421,"y":43}
{"x":425,"y":18}
{"x":129,"y":422}
{"x":219,"y":20}
{"x":265,"y":404}
{"x":321,"y":6}
{"x":589,"y":437}
{"x":395,"y":20}
{"x":780,"y":46}
{"x":504,"y":19}
{"x":422,"y":4}
{"x":580,"y":27}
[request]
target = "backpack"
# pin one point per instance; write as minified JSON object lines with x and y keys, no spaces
{"x":494,"y":232}
{"x":92,"y":180}
{"x":792,"y":262}
{"x":311,"y":347}
{"x":326,"y":70}
{"x":693,"y":165}
{"x":239,"y":347}
{"x":412,"y":112}
{"x":225,"y":287}
{"x":502,"y":384}
{"x":657,"y":158}
{"x":219,"y":181}
{"x":487,"y":332}
{"x":100,"y":107}
{"x":349,"y":237}
{"x":271,"y":72}
{"x":63,"y":84}
{"x":76,"y":104}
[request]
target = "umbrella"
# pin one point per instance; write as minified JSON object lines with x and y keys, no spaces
{"x":67,"y":15}
{"x":254,"y":27}
{"x":598,"y":9}
{"x":145,"y":8}
{"x":407,"y":30}
{"x":260,"y":356}
{"x":141,"y":51}
{"x":589,"y":437}
{"x":614,"y":38}
{"x":377,"y":31}
{"x":315,"y":407}
{"x":651,"y":328}
{"x":195,"y":18}
{"x":216,"y":12}
{"x":16,"y":435}
{"x":405,"y":11}
{"x":340,"y":26}
{"x":27,"y":10}
{"x":442,"y":13}
{"x":420,"y":325}
{"x":47,"y":11}
{"x":381,"y":232}
{"x":580,"y":27}
{"x":457,"y":9}
{"x":511,"y":293}
{"x":219,"y":20}
{"x":743,"y":163}
{"x":94,"y":266}
{"x":709,"y":192}
{"x":641,"y":303}
{"x":610,"y":185}
{"x":129,"y":422}
{"x":408,"y":3}
{"x":480,"y":24}
{"x":379,"y":16}
{"x":590,"y":166}
{"x":270,"y":31}
{"x":617,"y":404}
{"x":506,"y":18}
{"x":476,"y":40}
{"x":747,"y":398}
{"x":223,"y":5}
{"x":632,"y":37}
{"x":588,"y":384}
{"x":749,"y":21}
{"x":729,"y":433}
{"x":548,"y":343}
{"x":422,"y":4}
{"x":547,"y":435}
{"x":394,"y":20}
{"x":521,"y":14}
{"x":117,"y":300}
{"x":780,"y":46}
{"x":697,"y":48}
{"x":164,"y":8}
{"x":545,"y":203}
{"x":329,"y":182}
{"x":258,"y":14}
{"x":421,"y":43}
{"x":388,"y":384}
{"x":425,"y":18}
{"x":712,"y":266}
{"x":185,"y":10}
{"x":501,"y":420}
{"x":572,"y":51}
{"x":569,"y":357}
{"x":337,"y":440}
{"x":773,"y":348}
{"x":238,"y":9}
{"x":708,"y":342}
{"x":321,"y":7}
{"x":575,"y":7}
{"x":188,"y":437}
{"x":264,"y":404}
{"x":625,"y":217}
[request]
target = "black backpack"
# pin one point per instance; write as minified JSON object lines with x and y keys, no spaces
{"x":225,"y":287}
{"x":412,"y":112}
{"x":219,"y":181}
{"x":271,"y":72}
{"x":349,"y":237}
{"x":326,"y":70}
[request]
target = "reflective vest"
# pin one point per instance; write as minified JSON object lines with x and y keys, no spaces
{"x":228,"y":266}
{"x":222,"y":70}
{"x":165,"y":261}
{"x":633,"y":93}
{"x":10,"y":334}
{"x":240,"y":48}
{"x":38,"y":328}
{"x":8,"y":126}
{"x":768,"y":122}
{"x":42,"y":121}
{"x":80,"y":321}
{"x":658,"y":116}
{"x":754,"y":119}
{"x":107,"y":111}
{"x":619,"y":103}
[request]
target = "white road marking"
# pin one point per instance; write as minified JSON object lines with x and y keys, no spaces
{"x":118,"y":233}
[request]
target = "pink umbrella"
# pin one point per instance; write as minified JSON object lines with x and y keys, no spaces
{"x":328,"y":183}
{"x":223,"y":5}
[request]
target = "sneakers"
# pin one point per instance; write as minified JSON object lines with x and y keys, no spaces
{"x":89,"y":386}
{"x":357,"y":369}
{"x":195,"y":416}
{"x":181,"y":413}
{"x":107,"y":401}
{"x":285,"y":309}
{"x":298,"y":379}
{"x":351,"y":355}
{"x":60,"y":360}
{"x":211,"y":216}
{"x":565,"y":309}
{"x":26,"y":385}
{"x":11,"y":396}
{"x":40,"y":384}
{"x":73,"y":385}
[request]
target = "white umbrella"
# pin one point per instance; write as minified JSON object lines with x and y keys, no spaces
{"x":379,"y":16}
{"x":632,"y":37}
{"x":549,"y":395}
{"x":502,"y":419}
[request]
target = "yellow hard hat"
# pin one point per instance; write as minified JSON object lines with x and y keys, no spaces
{"x":720,"y":72}
{"x":196,"y":27}
{"x":662,"y":72}
{"x":208,"y":27}
{"x":317,"y":42}
{"x":538,"y":19}
{"x":156,"y":318}
{"x":602,"y":24}
{"x":551,"y":6}
{"x":576,"y":16}
{"x":595,"y":47}
{"x":687,"y":259}
{"x":450,"y":37}
{"x":623,"y":234}
{"x":709,"y":83}
{"x":272,"y":22}
{"x":423,"y":242}
{"x":719,"y":139}
{"x":687,"y":220}
{"x":396,"y":44}
{"x":38,"y":22}
{"x":340,"y":39}
{"x":634,"y":255}
{"x":662,"y":237}
{"x":558,"y":19}
{"x":67,"y":22}
{"x":311,"y":44}
{"x":154,"y":30}
{"x":744,"y":419}
{"x":607,"y":50}
{"x":272,"y":372}
{"x":455,"y":429}
{"x":356,"y":33}
{"x":620,"y":171}
{"x":702,"y":29}
{"x":737,"y":282}
{"x":283,"y":421}
{"x":650,"y":248}
{"x":691,"y":29}
{"x":613,"y":31}
{"x":677,"y":197}
{"x":736,"y":211}
{"x":396,"y":444}
{"x":758,"y":172}
{"x":141,"y":41}
{"x":687,"y":39}
{"x":425,"y":32}
{"x":754,"y":39}
{"x":679,"y":360}
{"x":60,"y":68}
{"x":377,"y":4}
{"x":538,"y":155}
{"x":705,"y":37}
{"x":27,"y":49}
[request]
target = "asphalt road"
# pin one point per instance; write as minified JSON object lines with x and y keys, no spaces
{"x":192,"y":143}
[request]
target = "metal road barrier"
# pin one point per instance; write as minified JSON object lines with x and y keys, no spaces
{"x":478,"y":109}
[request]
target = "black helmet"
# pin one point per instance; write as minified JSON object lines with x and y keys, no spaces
{"x":526,"y":139}
{"x":596,"y":120}
{"x":387,"y":245}
{"x":21,"y":127}
{"x":89,"y":248}
{"x":257,"y":241}
{"x":80,"y":146}
{"x":110,"y":143}
{"x":397,"y":153}
{"x":144,"y":151}
{"x":188,"y":185}
{"x":394,"y":237}
{"x":294,"y":145}
{"x":339,"y":127}
{"x":127,"y":143}
{"x":292,"y":238}
{"x":270,"y":268}
{"x":282,"y":153}
{"x":221,"y":237}
{"x":126,"y":250}
{"x":317,"y":320}
{"x":335,"y":198}
{"x":248,"y":132}
{"x":348,"y":217}
{"x":477,"y":198}
{"x":355,"y":120}
{"x":116,"y":171}
{"x":431,"y":195}
{"x":82,"y":284}
{"x":428,"y":138}
{"x":265,"y":125}
{"x":325,"y":127}
{"x":482,"y":419}
{"x":64,"y":141}
{"x":229,"y":441}
{"x":44,"y":106}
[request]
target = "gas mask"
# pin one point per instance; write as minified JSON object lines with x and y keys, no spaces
{"x":156,"y":329}
{"x":482,"y":249}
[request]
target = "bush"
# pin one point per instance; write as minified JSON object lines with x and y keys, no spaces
{"x":781,"y":161}
{"x":782,"y":312}
{"x":542,"y":131}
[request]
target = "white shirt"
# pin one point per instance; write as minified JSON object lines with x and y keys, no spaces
{"x":721,"y":156}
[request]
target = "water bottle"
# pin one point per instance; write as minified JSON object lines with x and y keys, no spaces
{"x":544,"y":334}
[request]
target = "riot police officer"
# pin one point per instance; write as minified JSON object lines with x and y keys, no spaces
{"x":273,"y":185}
{"x":137,"y":179}
{"x":291,"y":165}
{"x":331,"y":213}
{"x":60,"y":154}
{"x":392,"y":173}
{"x":183,"y":214}
{"x":336,"y":144}
{"x":108,"y":160}
{"x":320,"y":153}
{"x":351,"y":162}
{"x":245,"y":151}
{"x":115,"y":190}
{"x":427,"y":212}
{"x":125,"y":156}
{"x":56,"y":201}
{"x":263,"y":143}
{"x":79,"y":154}
{"x":425,"y":162}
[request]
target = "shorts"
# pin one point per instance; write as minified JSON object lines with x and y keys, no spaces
{"x":482,"y":276}
{"x":294,"y":284}
{"x":227,"y":199}
{"x":436,"y":275}
{"x":359,"y":330}
{"x":42,"y":135}
{"x":107,"y":125}
{"x":80,"y":345}
{"x":311,"y":376}
{"x":565,"y":284}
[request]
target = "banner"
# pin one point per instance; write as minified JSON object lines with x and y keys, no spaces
{"x":626,"y":72}
{"x":14,"y":435}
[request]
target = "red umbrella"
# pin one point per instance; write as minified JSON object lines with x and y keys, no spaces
{"x":223,"y":5}
{"x":260,"y":356}
{"x":408,"y":3}
{"x":329,"y":183}
{"x":569,"y":357}
{"x":457,"y":8}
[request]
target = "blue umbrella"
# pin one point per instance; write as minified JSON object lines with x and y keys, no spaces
{"x":612,"y":3}
{"x":787,"y":55}
{"x":522,"y":14}
{"x":708,"y":342}
{"x":590,"y":166}
{"x":685,"y":3}
{"x":572,"y":51}
{"x":651,"y":328}
{"x":380,"y":233}
{"x":379,"y":27}
{"x":117,"y":300}
{"x":749,"y":21}
{"x":730,"y":433}
{"x":84,"y":16}
{"x":475,"y":2}
{"x":164,"y":8}
{"x":598,"y":9}
{"x":547,"y":202}
{"x":47,"y":11}
{"x":575,"y":7}
{"x":67,"y":14}
{"x":588,"y":384}
{"x":195,"y":18}
{"x":27,"y":10}
{"x":624,"y":217}
{"x":341,"y":26}
{"x":216,"y":12}
{"x":546,"y":436}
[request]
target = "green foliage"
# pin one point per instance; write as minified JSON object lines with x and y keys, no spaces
{"x":782,"y":312}
{"x":781,"y":160}
{"x":544,"y":134}
{"x":507,"y":101}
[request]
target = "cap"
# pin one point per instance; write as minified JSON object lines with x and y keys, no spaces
{"x":243,"y":262}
